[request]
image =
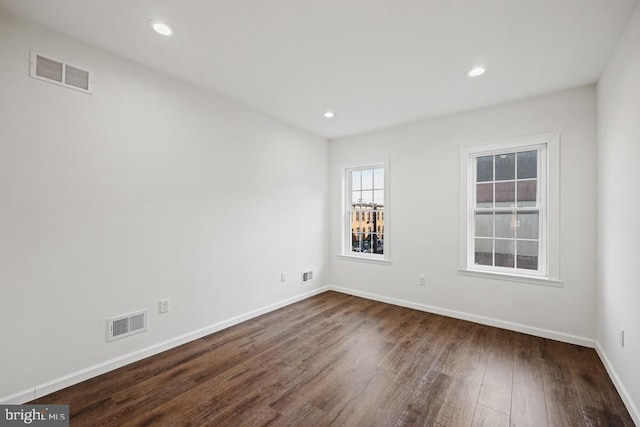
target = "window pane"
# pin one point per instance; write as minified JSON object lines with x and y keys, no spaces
{"x":367,"y":197}
{"x":528,"y":225}
{"x":484,"y":195}
{"x":505,"y":253}
{"x":527,"y":193}
{"x":505,"y":224}
{"x":378,"y":178}
{"x":505,"y":166}
{"x":367,"y":179}
{"x":378,"y":197}
{"x":356,"y":242}
{"x":527,"y":164}
{"x":356,"y":198}
{"x":484,"y":224}
{"x":356,"y":223}
{"x":379,"y":217}
{"x":355,"y":180}
{"x":484,"y":169}
{"x":505,"y":194}
{"x":366,"y":243}
{"x":378,"y":244}
{"x":527,"y":255}
{"x":483,"y":252}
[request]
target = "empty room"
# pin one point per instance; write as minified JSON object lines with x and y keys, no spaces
{"x":337,"y":213}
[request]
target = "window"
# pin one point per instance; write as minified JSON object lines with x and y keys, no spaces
{"x":510,"y":218}
{"x":365,"y":195}
{"x":507,"y":211}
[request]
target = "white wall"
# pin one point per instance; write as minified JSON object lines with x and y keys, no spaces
{"x":424,"y":175}
{"x":147,"y":189}
{"x":618,"y":210}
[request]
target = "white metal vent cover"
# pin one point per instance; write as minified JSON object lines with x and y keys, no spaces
{"x":126,"y":325}
{"x":307,"y":276}
{"x":53,"y":71}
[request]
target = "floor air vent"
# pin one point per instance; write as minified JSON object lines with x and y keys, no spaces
{"x":57,"y":72}
{"x":307,"y":276}
{"x":126,"y":325}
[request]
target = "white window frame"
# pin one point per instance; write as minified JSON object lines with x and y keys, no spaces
{"x":346,"y":250}
{"x":548,"y":193}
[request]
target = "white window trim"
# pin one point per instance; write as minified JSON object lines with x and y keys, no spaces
{"x":551,"y":219}
{"x":345,"y":229}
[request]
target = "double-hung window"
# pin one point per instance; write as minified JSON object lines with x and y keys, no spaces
{"x":364,"y":220}
{"x":510,"y":220}
{"x":508,"y":208}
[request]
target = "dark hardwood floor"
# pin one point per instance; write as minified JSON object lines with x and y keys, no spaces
{"x":339,"y":360}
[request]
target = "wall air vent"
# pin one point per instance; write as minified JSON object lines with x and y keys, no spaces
{"x":60,"y":73}
{"x":307,"y":276}
{"x":126,"y":325}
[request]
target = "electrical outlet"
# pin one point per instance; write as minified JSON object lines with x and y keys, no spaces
{"x":283,"y":277}
{"x":165,"y":305}
{"x":423,"y":280}
{"x":621,"y":337}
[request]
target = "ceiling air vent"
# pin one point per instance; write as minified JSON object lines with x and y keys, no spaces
{"x":126,"y":325}
{"x":60,"y":73}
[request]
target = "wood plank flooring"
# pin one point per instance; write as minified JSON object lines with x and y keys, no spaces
{"x":340,"y":360}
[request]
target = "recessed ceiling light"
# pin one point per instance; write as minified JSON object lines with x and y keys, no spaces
{"x":161,"y":28}
{"x":329,"y":115}
{"x":477,"y":71}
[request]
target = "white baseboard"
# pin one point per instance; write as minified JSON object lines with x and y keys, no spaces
{"x":118,"y":362}
{"x":19,"y":397}
{"x":489,"y":321}
{"x":622,"y":390}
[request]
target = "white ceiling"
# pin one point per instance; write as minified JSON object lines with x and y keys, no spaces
{"x":376,"y":63}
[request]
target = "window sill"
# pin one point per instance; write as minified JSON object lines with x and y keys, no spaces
{"x":378,"y":261}
{"x":511,"y":277}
